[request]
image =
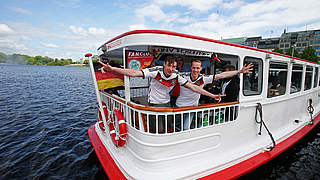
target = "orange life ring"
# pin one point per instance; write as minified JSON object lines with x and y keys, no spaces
{"x":118,"y":124}
{"x":100,"y":120}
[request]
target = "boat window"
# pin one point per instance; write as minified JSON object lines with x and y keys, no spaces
{"x":225,"y":62}
{"x":296,"y":78}
{"x":316,"y":76}
{"x":252,"y":82}
{"x":277,"y":79}
{"x":308,"y":78}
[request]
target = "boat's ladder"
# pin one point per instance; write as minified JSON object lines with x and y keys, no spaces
{"x":261,"y":122}
{"x":310,"y":110}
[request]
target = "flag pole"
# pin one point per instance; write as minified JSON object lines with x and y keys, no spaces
{"x":96,"y":90}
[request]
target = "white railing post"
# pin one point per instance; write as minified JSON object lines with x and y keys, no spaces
{"x":93,"y":75}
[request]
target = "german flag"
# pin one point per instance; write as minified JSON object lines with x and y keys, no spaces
{"x":108,"y":80}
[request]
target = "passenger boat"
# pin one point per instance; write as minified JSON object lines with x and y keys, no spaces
{"x":227,"y":139}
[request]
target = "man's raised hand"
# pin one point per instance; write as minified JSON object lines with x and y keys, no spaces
{"x":247,"y":68}
{"x":105,"y":67}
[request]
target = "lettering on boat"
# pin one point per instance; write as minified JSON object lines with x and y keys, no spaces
{"x":114,"y":44}
{"x":180,"y":51}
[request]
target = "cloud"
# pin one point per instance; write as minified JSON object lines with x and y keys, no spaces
{"x":93,"y":31}
{"x":67,"y":3}
{"x":5,"y":29}
{"x":11,"y":46}
{"x":233,"y":4}
{"x":21,"y":10}
{"x":279,"y":12}
{"x":155,"y":13}
{"x":30,"y":30}
{"x":97,"y":31}
{"x":49,"y":45}
{"x":258,"y":18}
{"x":168,"y":12}
{"x":233,"y":18}
{"x":199,"y":5}
{"x":78,"y":30}
{"x":137,"y":27}
{"x":26,"y":39}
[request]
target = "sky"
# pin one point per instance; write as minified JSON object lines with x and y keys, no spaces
{"x":72,"y":28}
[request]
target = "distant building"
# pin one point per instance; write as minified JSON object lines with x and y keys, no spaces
{"x":239,"y":40}
{"x":300,"y":40}
{"x":269,"y":44}
{"x":247,"y":41}
{"x":252,"y":41}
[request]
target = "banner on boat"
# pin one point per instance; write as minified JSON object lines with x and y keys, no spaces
{"x":179,"y":51}
{"x":107,"y":80}
{"x":138,"y":59}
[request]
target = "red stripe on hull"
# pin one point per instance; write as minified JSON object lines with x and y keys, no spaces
{"x":108,"y":164}
{"x":232,"y":172}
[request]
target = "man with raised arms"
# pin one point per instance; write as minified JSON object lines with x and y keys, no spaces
{"x":190,"y":98}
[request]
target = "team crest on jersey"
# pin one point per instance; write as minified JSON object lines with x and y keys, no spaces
{"x":199,"y":82}
{"x":168,"y":83}
{"x":173,"y":82}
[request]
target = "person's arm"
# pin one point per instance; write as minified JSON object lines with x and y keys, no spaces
{"x":126,"y":72}
{"x":245,"y":69}
{"x":198,"y":89}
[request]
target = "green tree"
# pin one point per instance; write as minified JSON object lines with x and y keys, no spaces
{"x":37,"y":60}
{"x":3,"y":57}
{"x":17,"y":59}
{"x":295,"y":52}
{"x":309,"y":54}
{"x":278,"y":50}
{"x":31,"y":61}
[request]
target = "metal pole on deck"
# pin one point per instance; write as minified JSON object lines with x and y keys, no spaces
{"x":97,"y":90}
{"x":293,"y":48}
{"x":126,"y":78}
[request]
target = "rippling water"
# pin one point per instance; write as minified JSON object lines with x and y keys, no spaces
{"x":45,"y":112}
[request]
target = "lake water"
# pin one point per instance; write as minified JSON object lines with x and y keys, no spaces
{"x":45,"y":112}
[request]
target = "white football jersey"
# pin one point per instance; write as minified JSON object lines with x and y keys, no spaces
{"x":160,"y":85}
{"x":188,"y":97}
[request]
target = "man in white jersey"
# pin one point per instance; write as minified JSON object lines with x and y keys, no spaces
{"x":191,"y":98}
{"x":162,"y":82}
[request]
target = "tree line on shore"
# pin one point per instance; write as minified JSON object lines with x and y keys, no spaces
{"x":308,"y":53}
{"x":36,"y":60}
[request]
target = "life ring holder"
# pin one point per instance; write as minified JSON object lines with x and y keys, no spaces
{"x":100,"y":119}
{"x":117,"y":128}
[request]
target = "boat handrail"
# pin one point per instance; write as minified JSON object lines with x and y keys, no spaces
{"x":163,"y":120}
{"x":169,"y":109}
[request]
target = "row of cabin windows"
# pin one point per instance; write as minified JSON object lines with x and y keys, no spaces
{"x":277,"y":78}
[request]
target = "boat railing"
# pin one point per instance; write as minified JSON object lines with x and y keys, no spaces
{"x":163,"y":120}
